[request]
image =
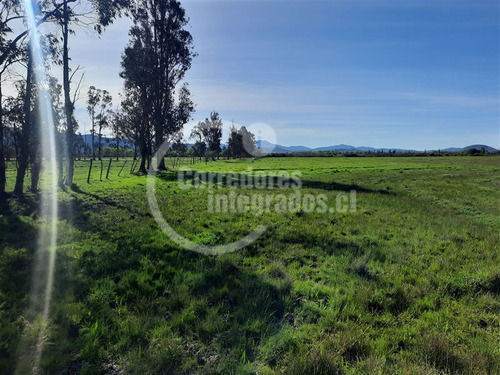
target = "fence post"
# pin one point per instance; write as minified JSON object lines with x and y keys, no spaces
{"x":90,"y":171}
{"x":102,"y":167}
{"x":121,"y":170}
{"x":109,"y":167}
{"x":133,"y":166}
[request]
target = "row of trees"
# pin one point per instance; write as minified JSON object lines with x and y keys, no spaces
{"x":156,"y":101}
{"x":155,"y":104}
{"x":63,"y":16}
{"x":99,"y":104}
{"x":208,"y":139}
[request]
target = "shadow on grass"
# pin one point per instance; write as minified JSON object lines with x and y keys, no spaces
{"x":335,"y":186}
{"x":225,"y":179}
{"x":18,"y":243}
{"x":82,"y":201}
{"x":132,"y":287}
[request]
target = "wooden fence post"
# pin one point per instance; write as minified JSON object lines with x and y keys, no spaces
{"x":90,"y":171}
{"x":109,"y":167}
{"x":121,"y":170}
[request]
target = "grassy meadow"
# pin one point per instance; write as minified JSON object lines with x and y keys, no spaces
{"x":409,"y":283}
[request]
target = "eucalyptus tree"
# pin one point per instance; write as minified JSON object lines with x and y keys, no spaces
{"x":138,"y":93}
{"x":210,"y":131}
{"x":55,"y":90}
{"x":182,"y":111}
{"x":10,"y":12}
{"x":26,"y":129}
{"x":104,"y":117}
{"x":155,"y":61}
{"x":12,"y":50}
{"x":93,"y":99}
{"x":68,"y":14}
{"x":129,"y":121}
{"x":162,"y":26}
{"x":13,"y":116}
{"x":65,"y":13}
{"x":117,"y":126}
{"x":99,"y":108}
{"x":30,"y":148}
{"x":235,"y":143}
{"x":248,"y":141}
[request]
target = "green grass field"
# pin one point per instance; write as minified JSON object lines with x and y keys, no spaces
{"x":407,"y":284}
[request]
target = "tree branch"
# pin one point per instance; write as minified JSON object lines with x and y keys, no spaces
{"x":76,"y":96}
{"x":12,"y":45}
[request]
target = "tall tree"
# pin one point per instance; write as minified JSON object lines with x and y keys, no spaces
{"x":49,"y":47}
{"x":93,"y":99}
{"x":154,"y":63}
{"x":13,"y":117}
{"x":55,"y":90}
{"x":2,"y":150}
{"x":248,"y":141}
{"x":63,"y":11}
{"x":117,"y":125}
{"x":26,"y":130}
{"x":106,"y":11}
{"x":137,"y":90}
{"x":162,"y":26}
{"x":128,"y":119}
{"x":241,"y":143}
{"x":12,"y":45}
{"x":10,"y":11}
{"x":99,"y":108}
{"x":210,"y":131}
{"x":182,"y":111}
{"x":234,"y":143}
{"x":103,"y":118}
{"x":68,"y":105}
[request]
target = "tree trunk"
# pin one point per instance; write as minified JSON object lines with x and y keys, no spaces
{"x":68,"y":105}
{"x":144,"y":157}
{"x":90,"y":171}
{"x":93,"y":132}
{"x":36,"y":167}
{"x":109,"y":167}
{"x":158,"y":91}
{"x":117,"y":147}
{"x":142,"y":167}
{"x":16,"y":147}
{"x":100,"y":139}
{"x":25,"y":135}
{"x":60,"y":171}
{"x":35,"y":157}
{"x":2,"y":151}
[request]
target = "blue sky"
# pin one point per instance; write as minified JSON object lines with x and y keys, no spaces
{"x":410,"y":74}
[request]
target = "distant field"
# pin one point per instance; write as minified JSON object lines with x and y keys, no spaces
{"x":407,"y":284}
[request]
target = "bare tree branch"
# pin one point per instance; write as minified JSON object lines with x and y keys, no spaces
{"x":76,"y":95}
{"x":12,"y":45}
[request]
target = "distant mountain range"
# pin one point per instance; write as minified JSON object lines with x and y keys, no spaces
{"x":478,"y":147}
{"x":268,"y":147}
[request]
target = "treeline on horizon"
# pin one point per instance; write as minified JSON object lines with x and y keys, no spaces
{"x":469,"y":152}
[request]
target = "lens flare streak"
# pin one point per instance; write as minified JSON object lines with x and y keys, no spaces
{"x":45,"y":257}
